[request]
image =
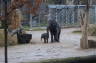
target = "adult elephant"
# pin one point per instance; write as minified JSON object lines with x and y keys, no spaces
{"x":55,"y":30}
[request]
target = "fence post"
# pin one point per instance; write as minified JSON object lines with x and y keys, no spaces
{"x":5,"y":30}
{"x":30,"y":22}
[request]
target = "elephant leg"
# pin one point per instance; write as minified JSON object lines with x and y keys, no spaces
{"x":47,"y":40}
{"x":56,"y":37}
{"x":59,"y":35}
{"x":52,"y":38}
{"x":44,"y":40}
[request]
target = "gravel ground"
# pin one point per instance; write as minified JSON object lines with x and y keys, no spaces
{"x":69,"y":46}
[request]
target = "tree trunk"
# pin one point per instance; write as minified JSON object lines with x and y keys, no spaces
{"x":84,"y":39}
{"x":84,"y":27}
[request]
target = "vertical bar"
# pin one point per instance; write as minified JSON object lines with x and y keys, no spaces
{"x":5,"y":31}
{"x":39,"y":19}
{"x":6,"y":55}
{"x":30,"y":21}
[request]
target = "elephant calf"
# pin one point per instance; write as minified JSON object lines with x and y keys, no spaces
{"x":45,"y":36}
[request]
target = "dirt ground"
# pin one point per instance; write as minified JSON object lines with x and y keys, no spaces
{"x":69,"y":46}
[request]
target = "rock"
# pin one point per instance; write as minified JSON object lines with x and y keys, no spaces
{"x":24,"y":38}
{"x":92,"y":43}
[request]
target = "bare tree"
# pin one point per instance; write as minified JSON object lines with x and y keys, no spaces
{"x":85,"y":20}
{"x":13,"y":17}
{"x":15,"y":4}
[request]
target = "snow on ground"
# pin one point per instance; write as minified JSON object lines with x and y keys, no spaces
{"x":69,"y":46}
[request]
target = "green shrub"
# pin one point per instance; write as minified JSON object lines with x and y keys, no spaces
{"x":92,"y":30}
{"x":34,"y":28}
{"x":26,"y":27}
{"x":77,"y":31}
{"x":43,"y":24}
{"x":37,"y":29}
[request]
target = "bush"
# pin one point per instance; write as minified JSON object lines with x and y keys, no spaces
{"x":92,"y":30}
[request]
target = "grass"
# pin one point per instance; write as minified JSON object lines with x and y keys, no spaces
{"x":77,"y":31}
{"x":1,"y":34}
{"x":87,"y":59}
{"x":34,"y":28}
{"x":37,"y":29}
{"x":1,"y":37}
{"x":43,"y":24}
{"x":26,"y":27}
